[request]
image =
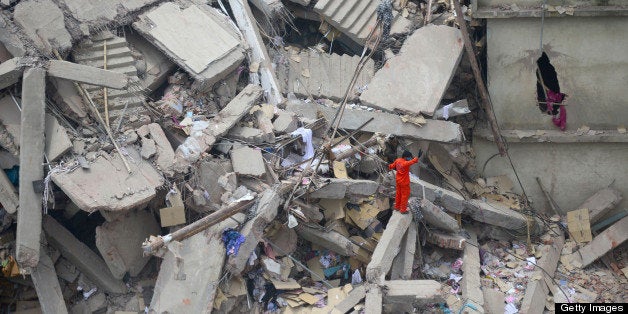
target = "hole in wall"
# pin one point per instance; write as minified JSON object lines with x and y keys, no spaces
{"x":546,"y":79}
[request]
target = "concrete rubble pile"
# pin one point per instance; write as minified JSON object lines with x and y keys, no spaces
{"x":186,"y":157}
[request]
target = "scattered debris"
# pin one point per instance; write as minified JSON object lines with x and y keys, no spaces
{"x":209,"y":156}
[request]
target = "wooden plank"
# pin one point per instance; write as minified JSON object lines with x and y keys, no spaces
{"x":579,"y":225}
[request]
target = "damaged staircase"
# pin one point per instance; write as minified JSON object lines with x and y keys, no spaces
{"x":119,"y":59}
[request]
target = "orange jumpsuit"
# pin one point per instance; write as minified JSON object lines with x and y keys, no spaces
{"x":403,"y":182}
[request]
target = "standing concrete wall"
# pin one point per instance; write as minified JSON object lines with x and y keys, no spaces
{"x":589,"y":54}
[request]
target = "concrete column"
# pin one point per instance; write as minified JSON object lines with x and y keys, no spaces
{"x":31,"y":166}
{"x":47,"y":285}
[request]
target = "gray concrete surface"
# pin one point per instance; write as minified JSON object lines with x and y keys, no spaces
{"x":101,"y":188}
{"x":43,"y":22}
{"x":198,"y":38}
{"x":416,"y":79}
{"x":118,"y":242}
{"x":28,"y":232}
{"x":322,"y":75}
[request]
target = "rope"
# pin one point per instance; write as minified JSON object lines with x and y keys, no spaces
{"x":543,"y":8}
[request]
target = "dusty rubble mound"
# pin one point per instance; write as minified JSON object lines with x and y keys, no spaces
{"x":212,"y":156}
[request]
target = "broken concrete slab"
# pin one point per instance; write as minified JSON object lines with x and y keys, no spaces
{"x":66,"y":270}
{"x":57,"y":139}
{"x":10,"y":72}
{"x":494,"y":300}
{"x":386,"y":123}
{"x":388,"y":246}
{"x":253,"y":230}
{"x":31,"y":167}
{"x":123,"y":191}
{"x":435,"y":216}
{"x":96,"y":12}
{"x":165,"y":153}
{"x":158,"y":66}
{"x":220,"y":125}
{"x":87,"y":74}
{"x":286,"y":122}
{"x":470,"y":283}
{"x":403,"y":263}
{"x":247,"y":134}
{"x":331,"y":240}
{"x":118,"y":242}
{"x":604,"y":242}
{"x":418,"y":83}
{"x":191,"y":271}
{"x":9,"y":37}
{"x":258,"y":54}
{"x":353,"y":298}
{"x":446,"y":240}
{"x":412,"y":291}
{"x":43,"y":22}
{"x":248,"y":161}
{"x":81,"y":256}
{"x":498,"y":215}
{"x":373,"y":300}
{"x":310,"y":73}
{"x":335,"y":188}
{"x":600,"y":203}
{"x":68,"y":99}
{"x":47,"y":285}
{"x":542,"y":281}
{"x":8,"y":195}
{"x":197,"y":37}
{"x":356,"y":18}
{"x":207,"y":174}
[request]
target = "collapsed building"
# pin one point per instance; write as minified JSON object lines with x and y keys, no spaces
{"x":225,"y":156}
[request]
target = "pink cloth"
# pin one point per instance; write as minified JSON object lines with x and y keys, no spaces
{"x":556,"y":98}
{"x":561,"y":120}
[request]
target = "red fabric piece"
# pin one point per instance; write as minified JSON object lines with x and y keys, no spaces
{"x":403,"y":181}
{"x":557,"y":98}
{"x":561,"y":120}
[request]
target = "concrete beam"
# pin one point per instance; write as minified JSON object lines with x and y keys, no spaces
{"x":353,"y":298}
{"x":403,"y":262}
{"x":31,"y":166}
{"x":604,"y":242}
{"x":258,"y":53}
{"x":8,"y":194}
{"x":538,"y":289}
{"x":331,"y":240}
{"x":10,"y":72}
{"x":386,"y":123}
{"x":373,"y":301}
{"x":446,"y":240}
{"x":253,"y":230}
{"x":82,"y":257}
{"x":451,"y":201}
{"x":219,"y":126}
{"x":470,"y":284}
{"x":497,"y":215}
{"x":388,"y":246}
{"x":57,"y":140}
{"x":435,"y":216}
{"x":47,"y":285}
{"x":600,"y":203}
{"x":87,"y":74}
{"x":412,"y":291}
{"x":346,"y":188}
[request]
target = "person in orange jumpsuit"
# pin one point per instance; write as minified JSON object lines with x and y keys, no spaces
{"x":402,"y":165}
